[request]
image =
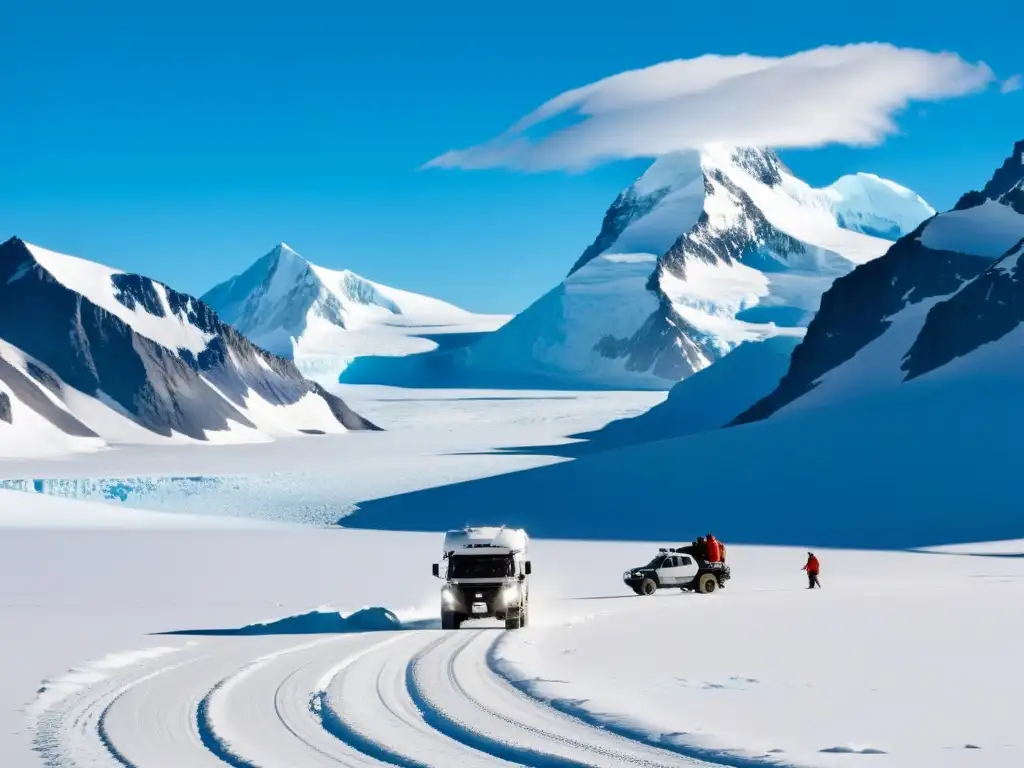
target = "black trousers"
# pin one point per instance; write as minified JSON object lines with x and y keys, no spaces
{"x":812,"y":580}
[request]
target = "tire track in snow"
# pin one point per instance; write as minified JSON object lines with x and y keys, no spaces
{"x":461,"y":696}
{"x":369,"y":700}
{"x":264,"y":715}
{"x":76,"y":732}
{"x":166,"y":717}
{"x":409,"y":699}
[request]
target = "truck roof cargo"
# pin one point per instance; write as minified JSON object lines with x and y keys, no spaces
{"x":486,"y":541}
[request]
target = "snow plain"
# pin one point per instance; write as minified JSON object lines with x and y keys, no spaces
{"x":877,"y":668}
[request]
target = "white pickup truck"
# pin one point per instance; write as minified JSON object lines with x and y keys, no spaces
{"x":677,"y":569}
{"x":487,"y":575}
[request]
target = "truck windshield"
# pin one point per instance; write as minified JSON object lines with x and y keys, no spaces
{"x":480,"y":566}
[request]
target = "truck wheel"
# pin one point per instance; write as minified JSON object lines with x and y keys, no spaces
{"x":708,"y":583}
{"x":513,"y":620}
{"x":524,"y":616}
{"x":449,"y":620}
{"x":648,"y":587}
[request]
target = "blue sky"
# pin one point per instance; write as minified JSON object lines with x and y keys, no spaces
{"x":183,"y":140}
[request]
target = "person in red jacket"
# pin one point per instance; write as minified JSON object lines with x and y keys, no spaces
{"x":714,"y":551}
{"x":813,"y":568}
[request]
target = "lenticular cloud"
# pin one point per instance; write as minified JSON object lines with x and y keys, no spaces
{"x":847,"y":95}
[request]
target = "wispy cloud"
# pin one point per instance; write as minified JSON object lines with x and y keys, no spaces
{"x":1011,"y":84}
{"x":847,"y":94}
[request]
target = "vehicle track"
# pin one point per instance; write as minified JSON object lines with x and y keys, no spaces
{"x":417,"y":698}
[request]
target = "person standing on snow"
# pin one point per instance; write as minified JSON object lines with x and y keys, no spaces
{"x":813,"y":568}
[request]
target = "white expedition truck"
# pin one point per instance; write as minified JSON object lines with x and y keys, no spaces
{"x":487,"y":574}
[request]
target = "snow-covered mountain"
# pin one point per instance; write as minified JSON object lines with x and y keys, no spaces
{"x":323,"y":318}
{"x":702,"y":253}
{"x":946,"y":300}
{"x":90,"y":354}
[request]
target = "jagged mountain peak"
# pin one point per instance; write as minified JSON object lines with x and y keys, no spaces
{"x":681,"y":190}
{"x":282,"y":254}
{"x":679,"y":169}
{"x":1006,"y":185}
{"x":324,"y":318}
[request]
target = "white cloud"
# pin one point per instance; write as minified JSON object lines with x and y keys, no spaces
{"x":1011,"y":84}
{"x":847,"y":95}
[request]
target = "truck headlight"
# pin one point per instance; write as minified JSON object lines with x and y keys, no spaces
{"x":510,"y":595}
{"x":448,"y":597}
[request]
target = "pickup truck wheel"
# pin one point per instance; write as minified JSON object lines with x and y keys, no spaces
{"x":707,"y":584}
{"x":648,"y":587}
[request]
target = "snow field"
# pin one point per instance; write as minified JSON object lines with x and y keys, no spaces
{"x":883,"y":661}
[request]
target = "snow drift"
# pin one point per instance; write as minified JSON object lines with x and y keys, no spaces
{"x":319,"y":622}
{"x":704,"y":252}
{"x":118,"y":357}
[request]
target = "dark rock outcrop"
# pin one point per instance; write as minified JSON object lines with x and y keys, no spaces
{"x":29,"y":393}
{"x":627,"y":208}
{"x":983,"y":311}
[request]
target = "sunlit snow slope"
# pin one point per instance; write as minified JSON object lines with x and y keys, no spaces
{"x":90,"y":355}
{"x":323,"y":318}
{"x":704,"y":252}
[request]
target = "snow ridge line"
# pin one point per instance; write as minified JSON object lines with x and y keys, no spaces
{"x":452,"y":727}
{"x":709,"y":757}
